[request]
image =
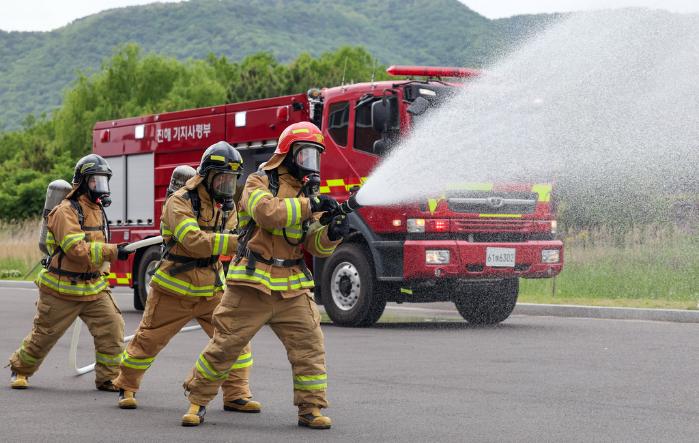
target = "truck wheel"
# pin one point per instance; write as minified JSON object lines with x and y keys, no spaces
{"x":149,"y":260}
{"x":487,"y":305}
{"x":347,"y":288}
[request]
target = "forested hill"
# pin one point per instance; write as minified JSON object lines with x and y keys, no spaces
{"x":36,"y":67}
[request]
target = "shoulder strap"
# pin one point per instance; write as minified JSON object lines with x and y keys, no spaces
{"x":273,"y":178}
{"x":79,"y":209}
{"x":193,"y":197}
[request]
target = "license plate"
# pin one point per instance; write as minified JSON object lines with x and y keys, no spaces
{"x":500,"y":257}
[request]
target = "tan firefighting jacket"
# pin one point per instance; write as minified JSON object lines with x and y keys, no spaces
{"x":76,"y":250}
{"x":273,"y":216}
{"x":197,"y":239}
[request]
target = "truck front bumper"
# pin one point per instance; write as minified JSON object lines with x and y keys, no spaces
{"x":468,"y":260}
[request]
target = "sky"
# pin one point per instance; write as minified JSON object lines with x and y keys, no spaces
{"x":23,"y":16}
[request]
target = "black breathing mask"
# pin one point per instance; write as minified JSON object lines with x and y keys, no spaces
{"x":311,"y":185}
{"x":222,"y":187}
{"x":303,"y":162}
{"x":97,"y":188}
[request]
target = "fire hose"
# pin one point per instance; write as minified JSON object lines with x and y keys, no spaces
{"x":77,"y":325}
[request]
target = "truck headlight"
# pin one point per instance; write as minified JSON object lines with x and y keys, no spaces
{"x":554,"y":226}
{"x":550,"y":255}
{"x":437,"y":256}
{"x":416,"y":225}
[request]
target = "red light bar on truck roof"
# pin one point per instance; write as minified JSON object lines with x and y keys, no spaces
{"x":432,"y":71}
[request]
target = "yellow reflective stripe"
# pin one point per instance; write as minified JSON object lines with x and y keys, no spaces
{"x":71,"y":240}
{"x":325,"y":189}
{"x":254,"y":199}
{"x":293,"y":211}
{"x":220,"y":244}
{"x":243,"y":219}
{"x":136,"y":363}
{"x":108,"y":359}
{"x":219,"y":158}
{"x":300,"y":131}
{"x":165,"y":229}
{"x":243,"y":222}
{"x":167,"y":281}
{"x":311,"y":382}
{"x":50,"y":243}
{"x":244,"y":361}
{"x":68,"y":288}
{"x":544,"y":192}
{"x":96,"y":253}
{"x":296,"y":281}
{"x":318,"y":242}
{"x":287,"y":203}
{"x":406,"y":291}
{"x":432,"y":204}
{"x":208,"y":371}
{"x":25,"y":357}
{"x":185,"y":226}
{"x":336,"y":182}
{"x":294,"y":232}
{"x":501,"y":215}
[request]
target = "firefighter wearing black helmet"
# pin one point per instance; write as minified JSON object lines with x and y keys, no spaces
{"x":189,"y":281}
{"x":73,"y":284}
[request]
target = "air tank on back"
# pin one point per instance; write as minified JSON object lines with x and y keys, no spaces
{"x":179,"y":177}
{"x":55,"y":193}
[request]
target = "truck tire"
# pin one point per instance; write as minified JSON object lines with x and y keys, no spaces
{"x":487,"y":305}
{"x":347,"y":288}
{"x":148,"y":261}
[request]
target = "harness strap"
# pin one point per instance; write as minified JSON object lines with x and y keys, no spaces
{"x":278,"y":262}
{"x":189,"y":263}
{"x":75,"y":275}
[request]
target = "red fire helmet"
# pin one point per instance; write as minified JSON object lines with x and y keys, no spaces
{"x":299,"y":132}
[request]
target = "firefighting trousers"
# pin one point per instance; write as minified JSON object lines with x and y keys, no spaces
{"x":54,"y":315}
{"x":241,"y":313}
{"x":163,"y":317}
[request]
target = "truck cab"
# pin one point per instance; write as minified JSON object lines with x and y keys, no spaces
{"x":469,"y":245}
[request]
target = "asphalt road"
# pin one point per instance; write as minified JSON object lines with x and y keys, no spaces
{"x":419,"y":377}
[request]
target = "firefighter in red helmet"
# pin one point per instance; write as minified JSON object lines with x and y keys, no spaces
{"x":268,"y":282}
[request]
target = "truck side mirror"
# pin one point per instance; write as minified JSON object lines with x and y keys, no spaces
{"x":379,"y":115}
{"x":380,"y":147}
{"x":418,"y":106}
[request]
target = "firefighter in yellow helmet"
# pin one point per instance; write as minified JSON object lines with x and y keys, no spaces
{"x":189,"y":281}
{"x":268,"y":282}
{"x":73,"y":284}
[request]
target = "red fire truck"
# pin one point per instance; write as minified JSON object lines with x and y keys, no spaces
{"x":470,"y":246}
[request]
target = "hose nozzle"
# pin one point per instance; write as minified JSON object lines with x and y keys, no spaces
{"x":348,"y":206}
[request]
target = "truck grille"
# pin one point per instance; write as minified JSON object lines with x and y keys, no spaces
{"x":488,"y":202}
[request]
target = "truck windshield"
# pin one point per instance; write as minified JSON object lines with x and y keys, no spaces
{"x":433,"y":95}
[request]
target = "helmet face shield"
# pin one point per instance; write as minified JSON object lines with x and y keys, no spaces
{"x":307,"y":156}
{"x":98,"y":184}
{"x":223,"y":185}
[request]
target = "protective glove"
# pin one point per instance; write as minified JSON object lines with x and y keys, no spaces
{"x":338,"y":228}
{"x":323,"y":203}
{"x":122,"y":253}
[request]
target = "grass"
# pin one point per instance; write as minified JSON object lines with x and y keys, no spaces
{"x":654,"y":267}
{"x":19,"y":248}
